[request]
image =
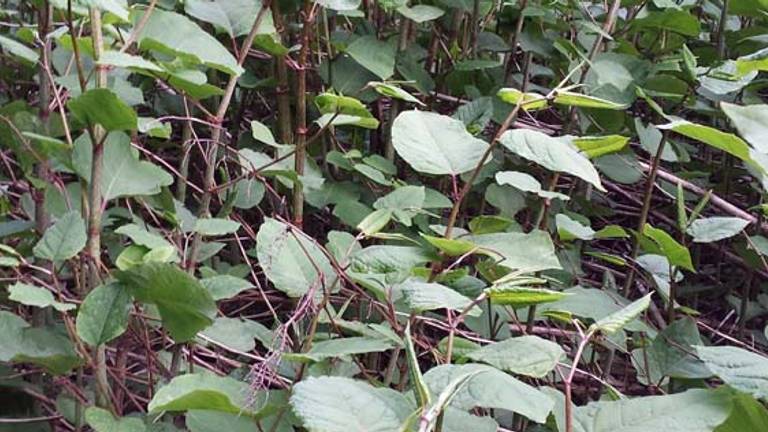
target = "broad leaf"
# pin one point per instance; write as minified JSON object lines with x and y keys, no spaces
{"x":525,"y":355}
{"x":103,"y":107}
{"x":45,"y":347}
{"x":102,"y":420}
{"x":551,"y":153}
{"x":292,"y":261}
{"x":64,"y":239}
{"x":103,"y":315}
{"x":341,"y":347}
{"x":205,"y":391}
{"x":235,"y":17}
{"x":238,"y":334}
{"x":530,"y":252}
{"x":527,"y":183}
{"x":737,"y":367}
{"x":32,"y":295}
{"x":424,"y":296}
{"x":708,"y":230}
{"x":216,"y":226}
{"x":619,"y":319}
{"x":375,"y":55}
{"x":185,"y":306}
{"x":490,"y":388}
{"x":751,"y":121}
{"x":436,"y":144}
{"x":676,"y":253}
{"x":187,"y":40}
{"x":724,"y":141}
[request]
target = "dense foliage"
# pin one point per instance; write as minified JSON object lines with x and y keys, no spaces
{"x":383,"y":215}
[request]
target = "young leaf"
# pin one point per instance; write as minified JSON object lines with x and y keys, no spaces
{"x":676,"y":253}
{"x":618,"y":320}
{"x":520,"y":297}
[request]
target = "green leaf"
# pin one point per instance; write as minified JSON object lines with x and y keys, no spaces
{"x":424,"y":296}
{"x":64,"y":239}
{"x":375,"y":222}
{"x":185,"y":306}
{"x":421,"y":13}
{"x":225,"y":286}
{"x":336,"y":404}
{"x":238,"y":333}
{"x":329,"y":103}
{"x":102,"y":106}
{"x":579,"y":100}
{"x":671,"y":355}
{"x":569,"y":229}
{"x":19,"y":50}
{"x":405,"y":202}
{"x":31,"y":295}
{"x":695,"y":410}
{"x":527,"y":101}
{"x":235,"y":17}
{"x":436,"y":144}
{"x":125,"y":175}
{"x":420,"y":389}
{"x":102,"y":420}
{"x":747,"y":415}
{"x":724,"y":141}
{"x":675,"y":20}
{"x":526,"y":253}
{"x":527,"y":183}
{"x":205,"y":391}
{"x":339,"y":5}
{"x":595,"y":304}
{"x":394,"y":92}
{"x":261,"y":132}
{"x":292,"y":261}
{"x":751,"y":121}
{"x":525,"y":355}
{"x":216,"y":226}
{"x":737,"y":367}
{"x":551,"y":153}
{"x":708,"y":230}
{"x":375,"y":55}
{"x":130,"y":61}
{"x":676,"y":253}
{"x":48,"y":348}
{"x":520,"y":297}
{"x":594,"y":147}
{"x":187,"y":40}
{"x":451,"y":247}
{"x":341,"y":347}
{"x":103,"y":315}
{"x":618,"y":320}
{"x":490,"y":388}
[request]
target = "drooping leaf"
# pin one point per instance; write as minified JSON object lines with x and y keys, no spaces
{"x":525,"y":355}
{"x":712,"y":229}
{"x":751,"y":121}
{"x":185,"y":306}
{"x":225,"y":286}
{"x":103,"y":315}
{"x":724,"y":141}
{"x":436,"y":144}
{"x":584,"y":101}
{"x":292,"y":261}
{"x":551,"y":153}
{"x":32,"y":295}
{"x":597,"y":146}
{"x":18,"y":49}
{"x":64,"y":239}
{"x":421,"y":13}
